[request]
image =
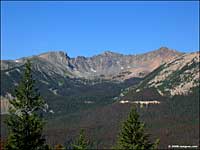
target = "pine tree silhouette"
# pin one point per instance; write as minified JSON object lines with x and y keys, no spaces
{"x":133,"y":136}
{"x":24,"y":121}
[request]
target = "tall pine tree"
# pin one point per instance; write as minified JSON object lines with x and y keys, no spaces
{"x":133,"y":136}
{"x":81,"y":143}
{"x":24,"y":122}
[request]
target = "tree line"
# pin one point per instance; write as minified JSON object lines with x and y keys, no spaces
{"x":25,"y":123}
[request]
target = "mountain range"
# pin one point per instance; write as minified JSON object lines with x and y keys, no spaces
{"x":165,"y":81}
{"x":59,"y":75}
{"x":107,"y":65}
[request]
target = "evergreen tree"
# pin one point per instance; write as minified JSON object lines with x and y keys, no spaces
{"x":24,"y":122}
{"x":81,"y":143}
{"x":133,"y":136}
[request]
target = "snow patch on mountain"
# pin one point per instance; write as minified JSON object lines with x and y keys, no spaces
{"x":93,"y":70}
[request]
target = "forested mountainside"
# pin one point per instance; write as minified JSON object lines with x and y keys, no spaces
{"x":173,"y":116}
{"x":170,"y":121}
{"x":64,"y":94}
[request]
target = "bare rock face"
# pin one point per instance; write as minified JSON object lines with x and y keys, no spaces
{"x":118,"y":66}
{"x":107,"y":65}
{"x":5,"y":103}
{"x":176,"y":77}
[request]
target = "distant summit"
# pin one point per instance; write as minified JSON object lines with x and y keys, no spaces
{"x":110,"y":53}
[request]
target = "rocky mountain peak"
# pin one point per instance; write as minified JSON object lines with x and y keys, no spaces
{"x":55,"y":56}
{"x":110,"y":53}
{"x":163,"y":48}
{"x":166,"y":51}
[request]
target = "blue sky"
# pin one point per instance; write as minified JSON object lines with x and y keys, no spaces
{"x":89,"y":28}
